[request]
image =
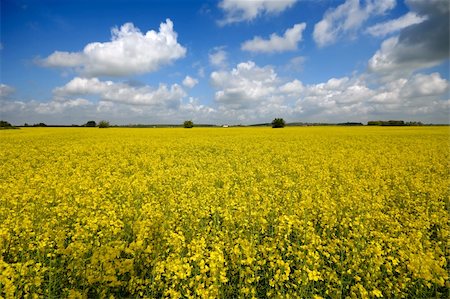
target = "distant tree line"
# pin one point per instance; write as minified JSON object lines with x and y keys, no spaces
{"x":350,"y":124}
{"x":276,"y":123}
{"x":35,"y":125}
{"x":393,"y":123}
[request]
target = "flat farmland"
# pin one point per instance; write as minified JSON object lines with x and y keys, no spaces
{"x":299,"y":212}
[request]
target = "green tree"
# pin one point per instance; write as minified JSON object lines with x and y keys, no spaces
{"x":188,"y":124}
{"x":4,"y":123}
{"x":103,"y":124}
{"x":91,"y":123}
{"x":278,"y":123}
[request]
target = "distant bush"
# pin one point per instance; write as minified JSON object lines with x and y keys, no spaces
{"x":188,"y":124}
{"x":278,"y":123}
{"x":103,"y":124}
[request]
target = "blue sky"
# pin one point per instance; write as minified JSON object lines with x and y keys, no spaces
{"x":227,"y":61}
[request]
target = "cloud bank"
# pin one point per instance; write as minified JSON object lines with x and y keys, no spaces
{"x":246,"y":94}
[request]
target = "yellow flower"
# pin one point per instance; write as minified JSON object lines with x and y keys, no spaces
{"x":212,"y":213}
{"x":377,"y":293}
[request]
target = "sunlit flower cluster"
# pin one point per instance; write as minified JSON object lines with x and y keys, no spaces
{"x":316,"y":212}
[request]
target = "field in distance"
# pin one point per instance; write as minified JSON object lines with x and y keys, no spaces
{"x":299,"y":212}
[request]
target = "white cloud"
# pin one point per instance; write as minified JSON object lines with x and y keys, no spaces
{"x":418,"y":97}
{"x":239,"y":10}
{"x":423,"y":45}
{"x":123,"y":93}
{"x":6,"y":90}
{"x":247,"y":93}
{"x":338,"y":97}
{"x":276,"y":43}
{"x":194,"y":108}
{"x":190,"y":82}
{"x":83,"y":86}
{"x":218,"y":57}
{"x":347,"y":18}
{"x":295,"y":64}
{"x":391,"y":26}
{"x":10,"y":109}
{"x":421,"y":85}
{"x":64,"y":59}
{"x":55,"y":111}
{"x":250,"y":93}
{"x":188,"y":108}
{"x":294,"y":88}
{"x":245,"y":86}
{"x":59,"y":106}
{"x":129,"y":52}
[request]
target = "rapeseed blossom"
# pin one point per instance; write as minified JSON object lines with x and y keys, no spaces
{"x":320,"y":212}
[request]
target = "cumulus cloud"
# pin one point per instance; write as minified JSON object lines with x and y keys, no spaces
{"x":347,"y":18}
{"x":293,"y":88}
{"x":129,"y":52}
{"x":122,"y":92}
{"x":419,"y":46}
{"x":218,"y":57}
{"x":190,"y":82}
{"x":276,"y":43}
{"x":391,"y":26}
{"x":6,"y":90}
{"x":424,"y":96}
{"x":421,"y":85}
{"x":59,"y":106}
{"x":338,"y":97}
{"x":238,"y":10}
{"x":244,"y":86}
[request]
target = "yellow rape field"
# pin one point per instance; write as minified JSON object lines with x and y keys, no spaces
{"x":310,"y":212}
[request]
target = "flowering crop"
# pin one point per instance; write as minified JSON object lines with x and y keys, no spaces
{"x":318,"y":212}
